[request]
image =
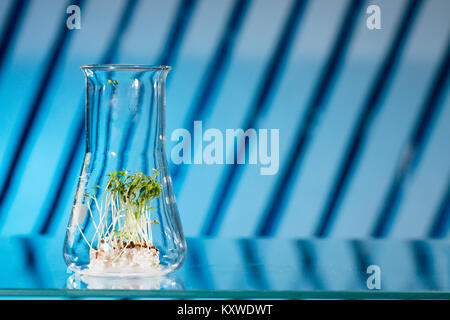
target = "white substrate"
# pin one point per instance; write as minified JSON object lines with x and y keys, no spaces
{"x":131,"y":259}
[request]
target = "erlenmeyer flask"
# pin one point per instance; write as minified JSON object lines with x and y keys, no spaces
{"x":124,"y":220}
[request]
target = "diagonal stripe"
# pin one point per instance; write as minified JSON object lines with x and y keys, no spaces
{"x":307,"y":261}
{"x":131,"y":125}
{"x":144,"y":153}
{"x":441,"y":224}
{"x":171,"y":50}
{"x":213,"y":76}
{"x":122,"y":27}
{"x":274,"y":210}
{"x":253,"y":265}
{"x":167,"y":56}
{"x":15,"y":15}
{"x":177,"y":32}
{"x":363,"y":259}
{"x":424,"y":264}
{"x":52,"y":61}
{"x":106,"y":148}
{"x":196,"y":262}
{"x":413,"y":152}
{"x":268,"y":85}
{"x":77,"y":139}
{"x":30,"y":252}
{"x":59,"y":183}
{"x":379,"y":88}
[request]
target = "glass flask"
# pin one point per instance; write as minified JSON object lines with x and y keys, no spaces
{"x":125,"y":220}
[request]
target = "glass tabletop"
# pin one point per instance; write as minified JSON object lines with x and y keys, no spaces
{"x":245,"y":268}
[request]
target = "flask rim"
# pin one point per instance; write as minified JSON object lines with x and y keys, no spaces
{"x":124,"y":67}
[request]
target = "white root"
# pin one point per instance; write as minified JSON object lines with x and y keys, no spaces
{"x":124,"y":244}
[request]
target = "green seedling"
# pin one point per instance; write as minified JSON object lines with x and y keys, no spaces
{"x":125,"y":208}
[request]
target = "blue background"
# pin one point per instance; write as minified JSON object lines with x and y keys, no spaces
{"x":309,"y":68}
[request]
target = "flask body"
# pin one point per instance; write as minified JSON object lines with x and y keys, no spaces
{"x":124,"y":220}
